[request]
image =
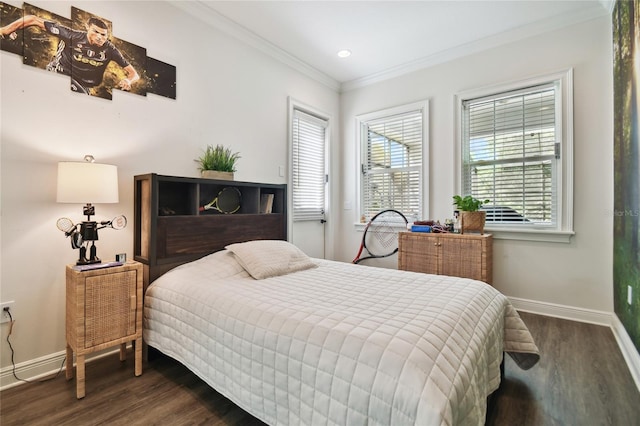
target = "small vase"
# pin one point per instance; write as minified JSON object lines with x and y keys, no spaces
{"x":214,"y":174}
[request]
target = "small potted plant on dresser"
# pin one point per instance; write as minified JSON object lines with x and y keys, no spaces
{"x":217,"y":162}
{"x":471,"y":218}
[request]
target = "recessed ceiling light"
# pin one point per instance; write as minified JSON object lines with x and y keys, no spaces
{"x":344,"y":53}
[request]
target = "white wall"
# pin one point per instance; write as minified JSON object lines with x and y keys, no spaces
{"x":227,"y":93}
{"x":577,"y":274}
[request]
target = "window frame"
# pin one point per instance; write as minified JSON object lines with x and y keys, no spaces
{"x":361,"y":120}
{"x":563,"y":229}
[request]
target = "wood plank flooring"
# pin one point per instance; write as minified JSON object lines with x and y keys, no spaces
{"x":581,"y":379}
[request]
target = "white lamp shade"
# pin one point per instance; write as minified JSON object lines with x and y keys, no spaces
{"x":84,"y":182}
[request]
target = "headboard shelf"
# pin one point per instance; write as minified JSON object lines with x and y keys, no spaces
{"x":170,"y":229}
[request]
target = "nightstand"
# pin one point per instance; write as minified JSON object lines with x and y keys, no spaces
{"x":104,"y":309}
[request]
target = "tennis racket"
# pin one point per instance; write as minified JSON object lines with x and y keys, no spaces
{"x":70,"y":230}
{"x":227,"y":201}
{"x":117,"y":223}
{"x":380,"y":237}
{"x":66,"y":225}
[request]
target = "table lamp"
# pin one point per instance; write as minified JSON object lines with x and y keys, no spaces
{"x":91,"y":183}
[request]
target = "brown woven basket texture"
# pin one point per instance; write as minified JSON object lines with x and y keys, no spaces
{"x":472,"y":221}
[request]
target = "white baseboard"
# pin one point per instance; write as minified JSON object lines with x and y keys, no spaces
{"x":32,"y":370}
{"x":628,"y":349}
{"x":41,"y":368}
{"x":562,"y":311}
{"x":609,"y":319}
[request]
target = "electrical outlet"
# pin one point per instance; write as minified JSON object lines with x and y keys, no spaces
{"x":4,"y":317}
{"x":629,"y":294}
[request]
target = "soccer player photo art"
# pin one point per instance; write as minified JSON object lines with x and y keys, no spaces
{"x":82,"y":48}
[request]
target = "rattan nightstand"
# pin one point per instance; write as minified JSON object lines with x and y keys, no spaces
{"x":104,"y":309}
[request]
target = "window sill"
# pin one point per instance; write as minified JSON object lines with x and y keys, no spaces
{"x":545,"y":235}
{"x":359,"y":226}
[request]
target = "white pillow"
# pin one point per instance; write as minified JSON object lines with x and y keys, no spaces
{"x":223,"y":262}
{"x":270,"y":258}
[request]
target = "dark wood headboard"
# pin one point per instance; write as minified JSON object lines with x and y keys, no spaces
{"x":170,"y":229}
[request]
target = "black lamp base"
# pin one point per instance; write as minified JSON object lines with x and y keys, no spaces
{"x":82,"y":259}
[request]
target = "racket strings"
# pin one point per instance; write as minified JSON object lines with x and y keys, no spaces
{"x":117,"y":223}
{"x":65,"y":224}
{"x":385,"y":234}
{"x":228,"y":201}
{"x":382,"y":233}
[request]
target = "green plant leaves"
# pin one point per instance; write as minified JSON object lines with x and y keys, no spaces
{"x":218,"y":158}
{"x":468,"y":203}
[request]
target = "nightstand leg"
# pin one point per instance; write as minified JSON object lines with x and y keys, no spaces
{"x":80,"y":376}
{"x":138,"y":356}
{"x":69,"y":368}
{"x":123,"y":352}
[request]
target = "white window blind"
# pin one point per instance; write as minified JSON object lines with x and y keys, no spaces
{"x":308,"y":166}
{"x":392,"y":164}
{"x":511,"y":151}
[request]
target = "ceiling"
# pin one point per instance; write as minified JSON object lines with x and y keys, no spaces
{"x":386,"y":38}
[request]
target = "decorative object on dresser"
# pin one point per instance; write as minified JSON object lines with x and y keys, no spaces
{"x":466,"y":256}
{"x":170,"y":225}
{"x":104,"y":309}
{"x":87,"y":182}
{"x":217,"y":162}
{"x":471,"y":217}
{"x":380,"y":237}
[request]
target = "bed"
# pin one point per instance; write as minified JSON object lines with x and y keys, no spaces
{"x":300,"y":341}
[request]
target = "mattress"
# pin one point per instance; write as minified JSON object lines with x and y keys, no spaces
{"x":338,"y":343}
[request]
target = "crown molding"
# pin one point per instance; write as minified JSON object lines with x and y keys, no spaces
{"x":480,"y":45}
{"x":201,"y":11}
{"x":210,"y":16}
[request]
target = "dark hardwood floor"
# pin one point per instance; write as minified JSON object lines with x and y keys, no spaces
{"x":581,"y":379}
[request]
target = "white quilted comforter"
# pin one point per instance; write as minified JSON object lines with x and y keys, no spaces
{"x":338,"y":344}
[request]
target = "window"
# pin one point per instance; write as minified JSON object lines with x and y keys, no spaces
{"x":308,"y":166}
{"x":513,"y":144}
{"x":392,"y":147}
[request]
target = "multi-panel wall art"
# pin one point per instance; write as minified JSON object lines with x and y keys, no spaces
{"x":84,"y":49}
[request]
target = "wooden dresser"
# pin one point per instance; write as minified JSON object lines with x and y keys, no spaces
{"x":458,"y":255}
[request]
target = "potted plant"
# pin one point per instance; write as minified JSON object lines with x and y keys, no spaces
{"x":471,"y":217}
{"x":218,"y":162}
